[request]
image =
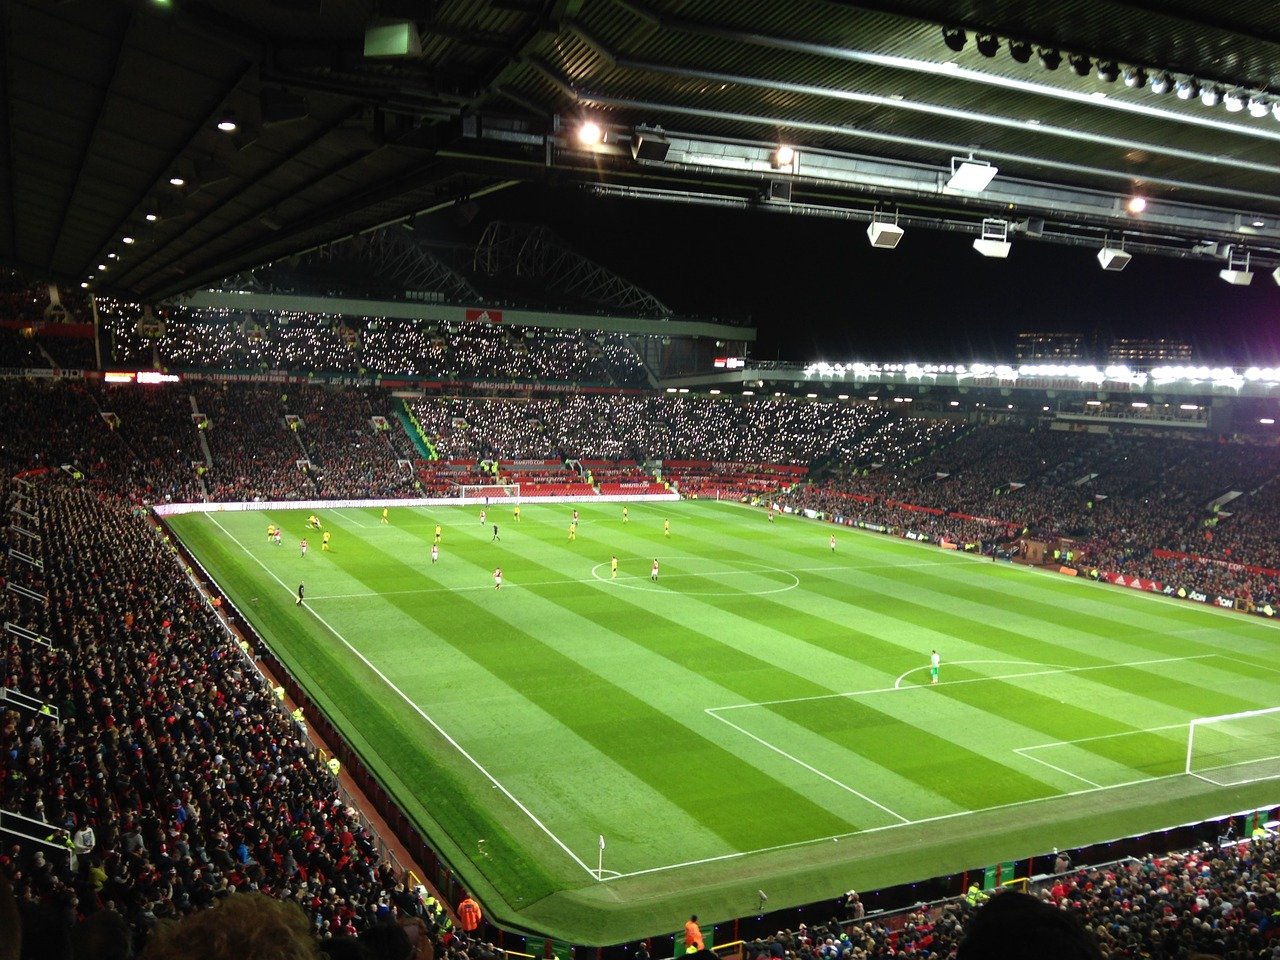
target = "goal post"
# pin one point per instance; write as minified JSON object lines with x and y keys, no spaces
{"x":494,"y":491}
{"x":1235,"y":748}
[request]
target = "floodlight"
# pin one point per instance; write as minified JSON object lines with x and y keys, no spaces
{"x":1187,"y":89}
{"x":126,"y":240}
{"x":1080,"y":65}
{"x":987,"y":44}
{"x":1259,"y":107}
{"x":1114,"y":258}
{"x":1237,"y":270}
{"x":1211,"y":95}
{"x":151,"y":218}
{"x":590,"y":134}
{"x":884,"y":235}
{"x":783,"y":157}
{"x":84,"y":284}
{"x":1108,"y":71}
{"x":649,"y":145}
{"x":954,"y":38}
{"x":1135,"y":78}
{"x":228,"y":123}
{"x":970,"y":174}
{"x":994,"y":241}
{"x":1233,"y":100}
{"x":1020,"y":50}
{"x":1136,"y":204}
{"x":1050,"y":59}
{"x":1161,"y":83}
{"x":178,"y":180}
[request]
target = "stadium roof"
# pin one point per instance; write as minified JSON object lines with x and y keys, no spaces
{"x":103,"y":103}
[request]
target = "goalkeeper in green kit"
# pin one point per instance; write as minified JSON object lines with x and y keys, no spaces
{"x":934,"y":662}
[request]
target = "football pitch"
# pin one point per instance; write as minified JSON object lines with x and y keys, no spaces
{"x":760,"y":717}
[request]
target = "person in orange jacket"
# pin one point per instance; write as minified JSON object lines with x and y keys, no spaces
{"x":469,"y":915}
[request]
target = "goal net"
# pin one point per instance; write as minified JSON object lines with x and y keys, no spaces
{"x":492,"y":491}
{"x":1235,"y":748}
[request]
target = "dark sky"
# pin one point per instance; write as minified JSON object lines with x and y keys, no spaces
{"x":815,"y":288}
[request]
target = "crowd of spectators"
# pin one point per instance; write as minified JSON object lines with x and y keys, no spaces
{"x":306,"y":343}
{"x":170,"y":776}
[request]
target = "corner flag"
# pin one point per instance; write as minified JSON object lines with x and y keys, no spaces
{"x":602,"y":841}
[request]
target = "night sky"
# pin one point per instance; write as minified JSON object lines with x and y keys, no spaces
{"x":816,"y":289}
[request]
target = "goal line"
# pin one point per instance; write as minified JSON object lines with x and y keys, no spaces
{"x":1233,"y":749}
{"x":489,"y":491}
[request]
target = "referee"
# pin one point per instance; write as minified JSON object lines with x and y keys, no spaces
{"x":302,"y":587}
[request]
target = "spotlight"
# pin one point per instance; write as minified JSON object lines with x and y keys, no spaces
{"x":883,"y":234}
{"x":1259,"y":107}
{"x":1237,"y":271}
{"x":590,"y":134}
{"x":102,"y":266}
{"x":1211,"y":95}
{"x":126,"y":240}
{"x":1187,"y":89}
{"x":1108,"y":71}
{"x":783,"y":157}
{"x":970,"y":174}
{"x":1137,"y":204}
{"x":151,"y":218}
{"x":1161,"y":83}
{"x":1080,"y":65}
{"x":1233,"y":100}
{"x":1050,"y":59}
{"x":994,"y":241}
{"x":954,"y":38}
{"x":987,"y":44}
{"x":228,"y":123}
{"x":1020,"y":50}
{"x":1114,"y":259}
{"x":177,"y":180}
{"x":1135,"y":78}
{"x":84,"y":284}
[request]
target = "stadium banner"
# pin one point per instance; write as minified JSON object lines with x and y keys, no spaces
{"x":1137,"y":583}
{"x":1230,"y":565}
{"x":173,"y":509}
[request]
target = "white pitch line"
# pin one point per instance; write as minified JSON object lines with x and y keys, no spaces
{"x":351,"y":519}
{"x":1110,"y":736}
{"x":958,"y":663}
{"x":1074,"y":776}
{"x":422,"y":713}
{"x":810,"y":768}
{"x":957,"y":683}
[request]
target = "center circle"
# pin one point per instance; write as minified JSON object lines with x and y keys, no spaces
{"x":639,"y":582}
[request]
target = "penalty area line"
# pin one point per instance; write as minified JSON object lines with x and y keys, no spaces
{"x":417,"y":709}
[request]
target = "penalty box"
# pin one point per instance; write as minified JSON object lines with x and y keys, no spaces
{"x":824,"y":740}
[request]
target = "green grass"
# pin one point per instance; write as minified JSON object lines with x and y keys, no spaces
{"x":759,"y":718}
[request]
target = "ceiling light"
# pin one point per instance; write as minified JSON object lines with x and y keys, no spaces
{"x":1259,"y":107}
{"x":126,"y":239}
{"x":102,"y":266}
{"x":228,"y":123}
{"x":84,"y":284}
{"x":784,"y":156}
{"x":954,"y":38}
{"x":590,"y":134}
{"x":1187,"y":89}
{"x":111,"y":256}
{"x":1079,"y":65}
{"x":151,"y":218}
{"x":177,"y":181}
{"x":1259,"y":223}
{"x":1020,"y":50}
{"x":994,"y":241}
{"x":1161,"y":83}
{"x":970,"y":174}
{"x":1237,"y":270}
{"x":1211,"y":95}
{"x":884,"y":235}
{"x":1234,"y":100}
{"x":1050,"y":59}
{"x":1266,"y":421}
{"x":1108,"y":71}
{"x":1114,"y":259}
{"x":1136,"y":204}
{"x":987,"y":44}
{"x":1135,"y":78}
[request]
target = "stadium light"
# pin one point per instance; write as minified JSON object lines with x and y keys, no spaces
{"x":1233,"y":100}
{"x":1161,"y":83}
{"x":126,"y":240}
{"x":882,"y":234}
{"x":1020,"y":50}
{"x":1237,"y":270}
{"x":994,"y":241}
{"x":1108,"y":71}
{"x":970,"y":174}
{"x":151,"y":218}
{"x":1135,"y":78}
{"x":783,"y":157}
{"x":987,"y":43}
{"x":955,"y":38}
{"x":1080,"y":65}
{"x":1187,"y":89}
{"x":590,"y":134}
{"x":228,"y":123}
{"x":1114,"y":259}
{"x":1211,"y":95}
{"x":1275,"y":275}
{"x":1050,"y":59}
{"x":1136,"y":204}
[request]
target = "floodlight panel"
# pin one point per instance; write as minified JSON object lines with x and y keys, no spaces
{"x":973,"y":176}
{"x":883,"y":235}
{"x":992,"y":248}
{"x":1113,"y":258}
